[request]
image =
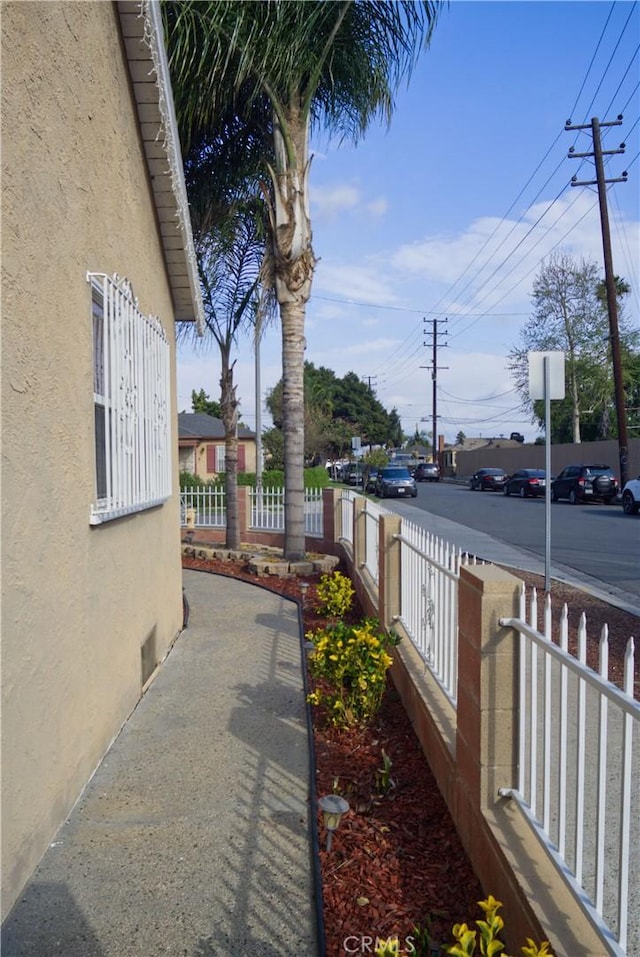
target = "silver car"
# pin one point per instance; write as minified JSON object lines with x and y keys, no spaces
{"x":395,"y":482}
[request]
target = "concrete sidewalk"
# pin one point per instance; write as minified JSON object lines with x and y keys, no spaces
{"x":194,"y":836}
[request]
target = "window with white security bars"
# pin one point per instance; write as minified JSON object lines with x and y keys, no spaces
{"x":131,"y":400}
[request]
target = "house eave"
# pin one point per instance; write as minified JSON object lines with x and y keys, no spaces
{"x":143,"y":36}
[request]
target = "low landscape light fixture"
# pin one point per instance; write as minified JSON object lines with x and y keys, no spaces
{"x":333,"y":807}
{"x":304,"y":588}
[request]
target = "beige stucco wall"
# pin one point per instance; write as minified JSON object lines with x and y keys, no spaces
{"x":78,"y":601}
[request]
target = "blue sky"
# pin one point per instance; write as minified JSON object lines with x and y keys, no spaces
{"x":451,"y":211}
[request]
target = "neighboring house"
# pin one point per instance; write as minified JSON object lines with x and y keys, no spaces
{"x":202,"y":448}
{"x":97,"y":265}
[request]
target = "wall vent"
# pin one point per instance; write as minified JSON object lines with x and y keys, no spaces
{"x":148,"y":659}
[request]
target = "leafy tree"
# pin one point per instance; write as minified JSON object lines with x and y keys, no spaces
{"x":460,"y":438}
{"x":569,"y":315}
{"x":336,"y":410}
{"x":396,"y":435}
{"x":200,"y":402}
{"x":281,"y":68}
{"x":273,"y":443}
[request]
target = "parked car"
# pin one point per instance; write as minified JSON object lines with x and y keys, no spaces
{"x":525,"y":483}
{"x":427,"y":472}
{"x":372,"y":478}
{"x":488,"y":480}
{"x":631,"y":497}
{"x":354,"y":475}
{"x":585,"y":483}
{"x":395,"y":482}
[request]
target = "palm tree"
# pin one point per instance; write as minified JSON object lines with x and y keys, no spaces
{"x":283,"y":67}
{"x":230,"y":256}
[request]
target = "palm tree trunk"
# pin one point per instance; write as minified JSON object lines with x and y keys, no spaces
{"x":292,"y":318}
{"x":229,"y":405}
{"x":294,"y":263}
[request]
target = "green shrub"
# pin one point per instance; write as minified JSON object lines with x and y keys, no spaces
{"x":317,"y":477}
{"x":189,"y":480}
{"x":489,"y":943}
{"x":335,"y":592}
{"x":353,"y":661}
{"x":274,"y":478}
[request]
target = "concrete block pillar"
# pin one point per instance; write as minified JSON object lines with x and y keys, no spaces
{"x":389,"y":570}
{"x":486,"y":740}
{"x":331,"y":516}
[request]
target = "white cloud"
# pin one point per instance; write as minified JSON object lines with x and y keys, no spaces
{"x":495,"y":261}
{"x":361,"y":283}
{"x":329,"y":201}
{"x":377,"y":207}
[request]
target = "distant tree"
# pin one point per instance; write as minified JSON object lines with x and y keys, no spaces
{"x":569,"y":315}
{"x":396,"y":435}
{"x":336,"y":410}
{"x":200,"y":402}
{"x":273,"y":445}
{"x":460,"y":438}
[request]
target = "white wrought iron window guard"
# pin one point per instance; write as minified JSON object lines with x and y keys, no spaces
{"x":131,"y":361}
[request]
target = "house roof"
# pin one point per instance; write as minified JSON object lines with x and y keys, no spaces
{"x":143,"y":35}
{"x":198,"y":425}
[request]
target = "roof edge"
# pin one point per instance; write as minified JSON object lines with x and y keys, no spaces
{"x":153,"y":39}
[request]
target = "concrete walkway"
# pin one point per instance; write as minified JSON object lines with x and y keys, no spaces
{"x":194,"y":836}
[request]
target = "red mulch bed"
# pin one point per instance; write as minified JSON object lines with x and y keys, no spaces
{"x":396,"y":860}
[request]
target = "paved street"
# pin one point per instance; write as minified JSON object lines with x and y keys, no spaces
{"x":596,"y":546}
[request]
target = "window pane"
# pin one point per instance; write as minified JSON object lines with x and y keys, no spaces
{"x":101,"y":451}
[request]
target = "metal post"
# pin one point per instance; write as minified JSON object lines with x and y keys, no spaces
{"x":547,"y":468}
{"x":257,"y":336}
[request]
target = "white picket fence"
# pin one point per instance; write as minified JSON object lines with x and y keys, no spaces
{"x":267,"y":508}
{"x":579,"y":770}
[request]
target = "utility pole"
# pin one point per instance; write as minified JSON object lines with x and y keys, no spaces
{"x":434,"y":378}
{"x":368,"y":379}
{"x":609,"y":276}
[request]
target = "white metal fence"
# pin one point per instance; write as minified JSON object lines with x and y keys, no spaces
{"x":208,"y":505}
{"x":267,"y":510}
{"x":266,"y":506}
{"x":371,"y":518}
{"x":579,"y":771}
{"x":345,"y":534}
{"x":430,"y":571}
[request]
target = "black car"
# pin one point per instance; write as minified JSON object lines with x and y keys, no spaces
{"x":396,"y":482}
{"x":372,"y":477}
{"x":585,"y":483}
{"x":525,"y":483}
{"x":427,"y":472}
{"x":488,"y":480}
